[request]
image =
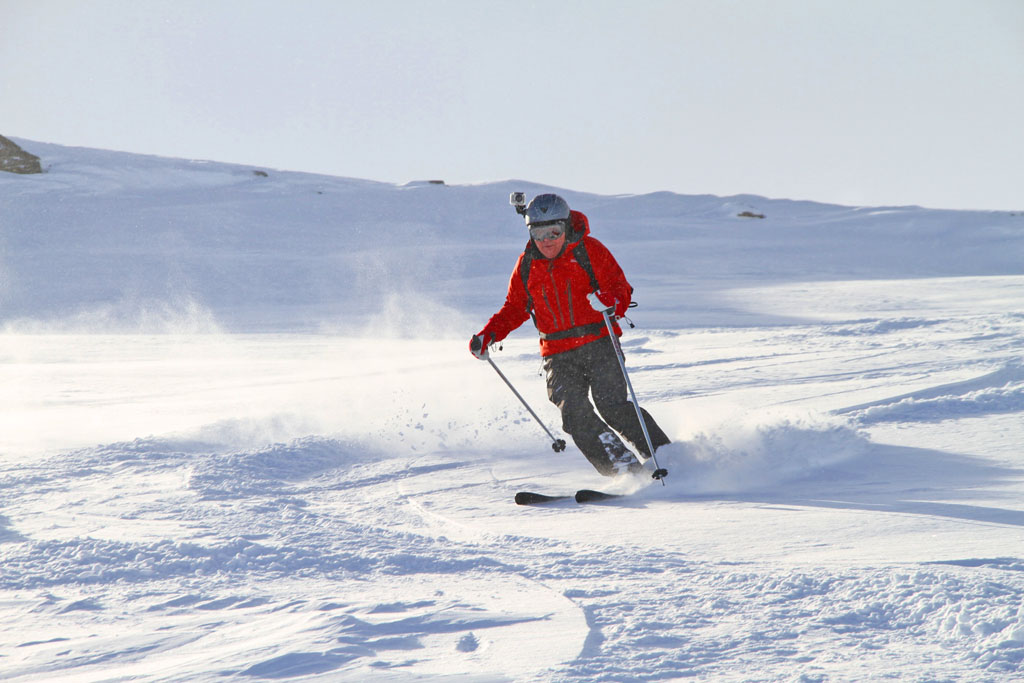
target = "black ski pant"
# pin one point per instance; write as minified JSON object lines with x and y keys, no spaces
{"x":593,"y":369}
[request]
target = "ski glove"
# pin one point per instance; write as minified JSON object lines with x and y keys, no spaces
{"x":602,"y":302}
{"x":479,"y":343}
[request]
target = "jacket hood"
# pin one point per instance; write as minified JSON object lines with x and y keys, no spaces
{"x":580,"y":226}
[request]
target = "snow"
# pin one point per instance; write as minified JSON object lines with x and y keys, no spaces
{"x":242,"y":437}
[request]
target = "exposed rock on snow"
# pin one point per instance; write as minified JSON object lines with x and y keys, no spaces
{"x":14,"y":159}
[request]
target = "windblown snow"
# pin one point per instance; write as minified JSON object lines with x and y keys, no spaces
{"x":242,"y":438}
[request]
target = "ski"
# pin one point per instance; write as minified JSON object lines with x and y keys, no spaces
{"x":530,"y":498}
{"x":591,"y":496}
{"x":581,"y":496}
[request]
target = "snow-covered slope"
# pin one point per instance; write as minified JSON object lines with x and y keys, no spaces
{"x":241,"y":437}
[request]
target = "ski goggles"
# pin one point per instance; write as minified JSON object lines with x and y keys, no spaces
{"x":548,"y":231}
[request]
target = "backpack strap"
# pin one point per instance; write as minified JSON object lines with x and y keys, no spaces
{"x":583,"y":258}
{"x":524,"y":274}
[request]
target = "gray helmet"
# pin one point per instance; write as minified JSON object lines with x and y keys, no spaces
{"x":546,"y":208}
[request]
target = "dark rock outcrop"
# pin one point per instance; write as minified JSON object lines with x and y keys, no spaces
{"x":14,"y":159}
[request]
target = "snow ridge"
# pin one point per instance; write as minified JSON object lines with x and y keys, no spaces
{"x":1001,"y":391}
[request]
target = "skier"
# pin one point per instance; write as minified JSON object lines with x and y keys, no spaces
{"x":565,"y":280}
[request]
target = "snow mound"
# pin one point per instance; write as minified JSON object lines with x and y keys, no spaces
{"x":1001,"y":391}
{"x":263,"y":471}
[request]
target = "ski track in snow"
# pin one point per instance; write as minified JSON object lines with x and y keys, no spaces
{"x":330,"y":497}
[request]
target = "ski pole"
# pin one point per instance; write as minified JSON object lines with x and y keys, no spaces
{"x":659,"y":472}
{"x":556,"y":444}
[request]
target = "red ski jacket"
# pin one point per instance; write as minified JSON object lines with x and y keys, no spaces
{"x":559,"y":288}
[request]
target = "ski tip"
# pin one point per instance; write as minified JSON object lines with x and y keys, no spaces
{"x":530,"y":498}
{"x":590,"y":496}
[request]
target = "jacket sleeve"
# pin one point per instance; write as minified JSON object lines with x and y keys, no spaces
{"x":514,"y":311}
{"x":609,"y":275}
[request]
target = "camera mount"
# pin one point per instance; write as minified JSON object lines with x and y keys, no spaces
{"x":518,"y":201}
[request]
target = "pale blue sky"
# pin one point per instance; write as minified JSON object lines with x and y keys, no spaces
{"x":849,"y":101}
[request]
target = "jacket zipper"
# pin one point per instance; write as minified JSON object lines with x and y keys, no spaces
{"x":572,"y":314}
{"x":554,"y":315}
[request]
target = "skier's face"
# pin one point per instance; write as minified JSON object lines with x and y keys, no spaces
{"x":552,"y":247}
